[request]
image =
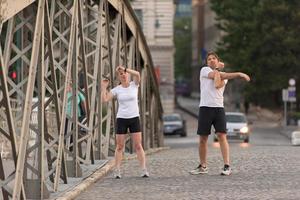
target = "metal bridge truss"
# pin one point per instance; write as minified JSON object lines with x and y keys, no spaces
{"x":46,"y":46}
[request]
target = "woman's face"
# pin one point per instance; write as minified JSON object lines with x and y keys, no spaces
{"x":212,"y":61}
{"x":123,"y":76}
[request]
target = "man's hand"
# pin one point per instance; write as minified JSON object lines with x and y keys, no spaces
{"x":244,"y":76}
{"x":221,"y":65}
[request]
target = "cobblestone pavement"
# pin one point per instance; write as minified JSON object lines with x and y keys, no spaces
{"x":267,"y":168}
{"x":258,"y":173}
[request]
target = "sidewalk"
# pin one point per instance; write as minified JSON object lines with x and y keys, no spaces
{"x":287,"y":130}
{"x":73,"y":190}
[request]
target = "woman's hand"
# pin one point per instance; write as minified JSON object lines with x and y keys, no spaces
{"x":120,"y":68}
{"x":104,"y":84}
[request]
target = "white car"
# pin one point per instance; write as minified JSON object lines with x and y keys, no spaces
{"x":237,"y":126}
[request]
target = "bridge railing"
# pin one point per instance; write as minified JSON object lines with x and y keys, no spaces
{"x":45,"y":47}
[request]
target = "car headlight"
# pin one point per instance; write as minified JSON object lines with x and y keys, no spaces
{"x":244,"y":129}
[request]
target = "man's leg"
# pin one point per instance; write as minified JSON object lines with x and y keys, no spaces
{"x":224,"y":147}
{"x":202,"y":169}
{"x":225,"y":153}
{"x":204,"y":127}
{"x":203,"y":150}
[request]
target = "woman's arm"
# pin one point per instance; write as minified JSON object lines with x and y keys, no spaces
{"x":105,"y":94}
{"x":135,"y":74}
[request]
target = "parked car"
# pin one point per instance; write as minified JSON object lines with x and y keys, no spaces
{"x":174,"y":124}
{"x":183,"y":87}
{"x":237,"y":126}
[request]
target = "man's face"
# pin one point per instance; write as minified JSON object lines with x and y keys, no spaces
{"x":212,"y":61}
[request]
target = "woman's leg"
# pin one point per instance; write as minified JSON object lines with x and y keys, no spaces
{"x":120,"y":139}
{"x":137,"y":142}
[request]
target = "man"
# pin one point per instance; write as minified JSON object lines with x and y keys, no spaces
{"x":211,"y":111}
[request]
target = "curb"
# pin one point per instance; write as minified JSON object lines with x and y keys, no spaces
{"x":99,"y":174}
{"x":186,"y":110}
{"x":287,"y":131}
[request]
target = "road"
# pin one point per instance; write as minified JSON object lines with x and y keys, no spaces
{"x":266,"y":168}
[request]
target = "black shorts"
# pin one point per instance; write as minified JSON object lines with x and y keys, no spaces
{"x":209,"y":116}
{"x":133,"y":124}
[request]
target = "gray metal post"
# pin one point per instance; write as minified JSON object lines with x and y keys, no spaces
{"x":285,"y":113}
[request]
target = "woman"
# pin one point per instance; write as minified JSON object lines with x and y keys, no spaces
{"x":128,"y":115}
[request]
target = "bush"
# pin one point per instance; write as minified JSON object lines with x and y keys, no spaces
{"x":292,"y":118}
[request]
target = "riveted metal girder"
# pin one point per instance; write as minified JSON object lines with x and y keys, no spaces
{"x":52,"y":52}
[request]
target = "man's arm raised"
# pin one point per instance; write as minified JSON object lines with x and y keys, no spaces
{"x":233,"y":75}
{"x":217,"y":80}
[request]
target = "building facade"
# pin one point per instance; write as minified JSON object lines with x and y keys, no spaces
{"x":156,"y":18}
{"x":183,"y":8}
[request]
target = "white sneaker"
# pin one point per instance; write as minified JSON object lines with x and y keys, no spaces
{"x":117,"y":174}
{"x":145,"y":173}
{"x":199,"y":170}
{"x":226,"y":170}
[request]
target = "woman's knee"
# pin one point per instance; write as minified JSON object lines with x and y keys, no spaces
{"x":120,"y":147}
{"x":138,"y":147}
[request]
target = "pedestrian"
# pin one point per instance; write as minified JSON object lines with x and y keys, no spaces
{"x":211,"y":110}
{"x":81,"y":104}
{"x":127,"y":116}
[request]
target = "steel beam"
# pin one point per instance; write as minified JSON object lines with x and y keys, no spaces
{"x":50,"y":44}
{"x":28,"y":99}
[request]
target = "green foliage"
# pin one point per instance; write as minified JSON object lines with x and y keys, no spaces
{"x":295,"y":115}
{"x":183,"y":42}
{"x":261,"y":39}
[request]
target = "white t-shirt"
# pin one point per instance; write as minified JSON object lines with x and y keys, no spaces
{"x":127,"y":100}
{"x":210,"y":95}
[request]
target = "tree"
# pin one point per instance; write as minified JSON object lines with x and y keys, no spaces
{"x":261,"y":39}
{"x":183,"y":42}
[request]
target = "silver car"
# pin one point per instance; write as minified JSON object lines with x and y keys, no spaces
{"x":174,"y":124}
{"x":237,"y":126}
